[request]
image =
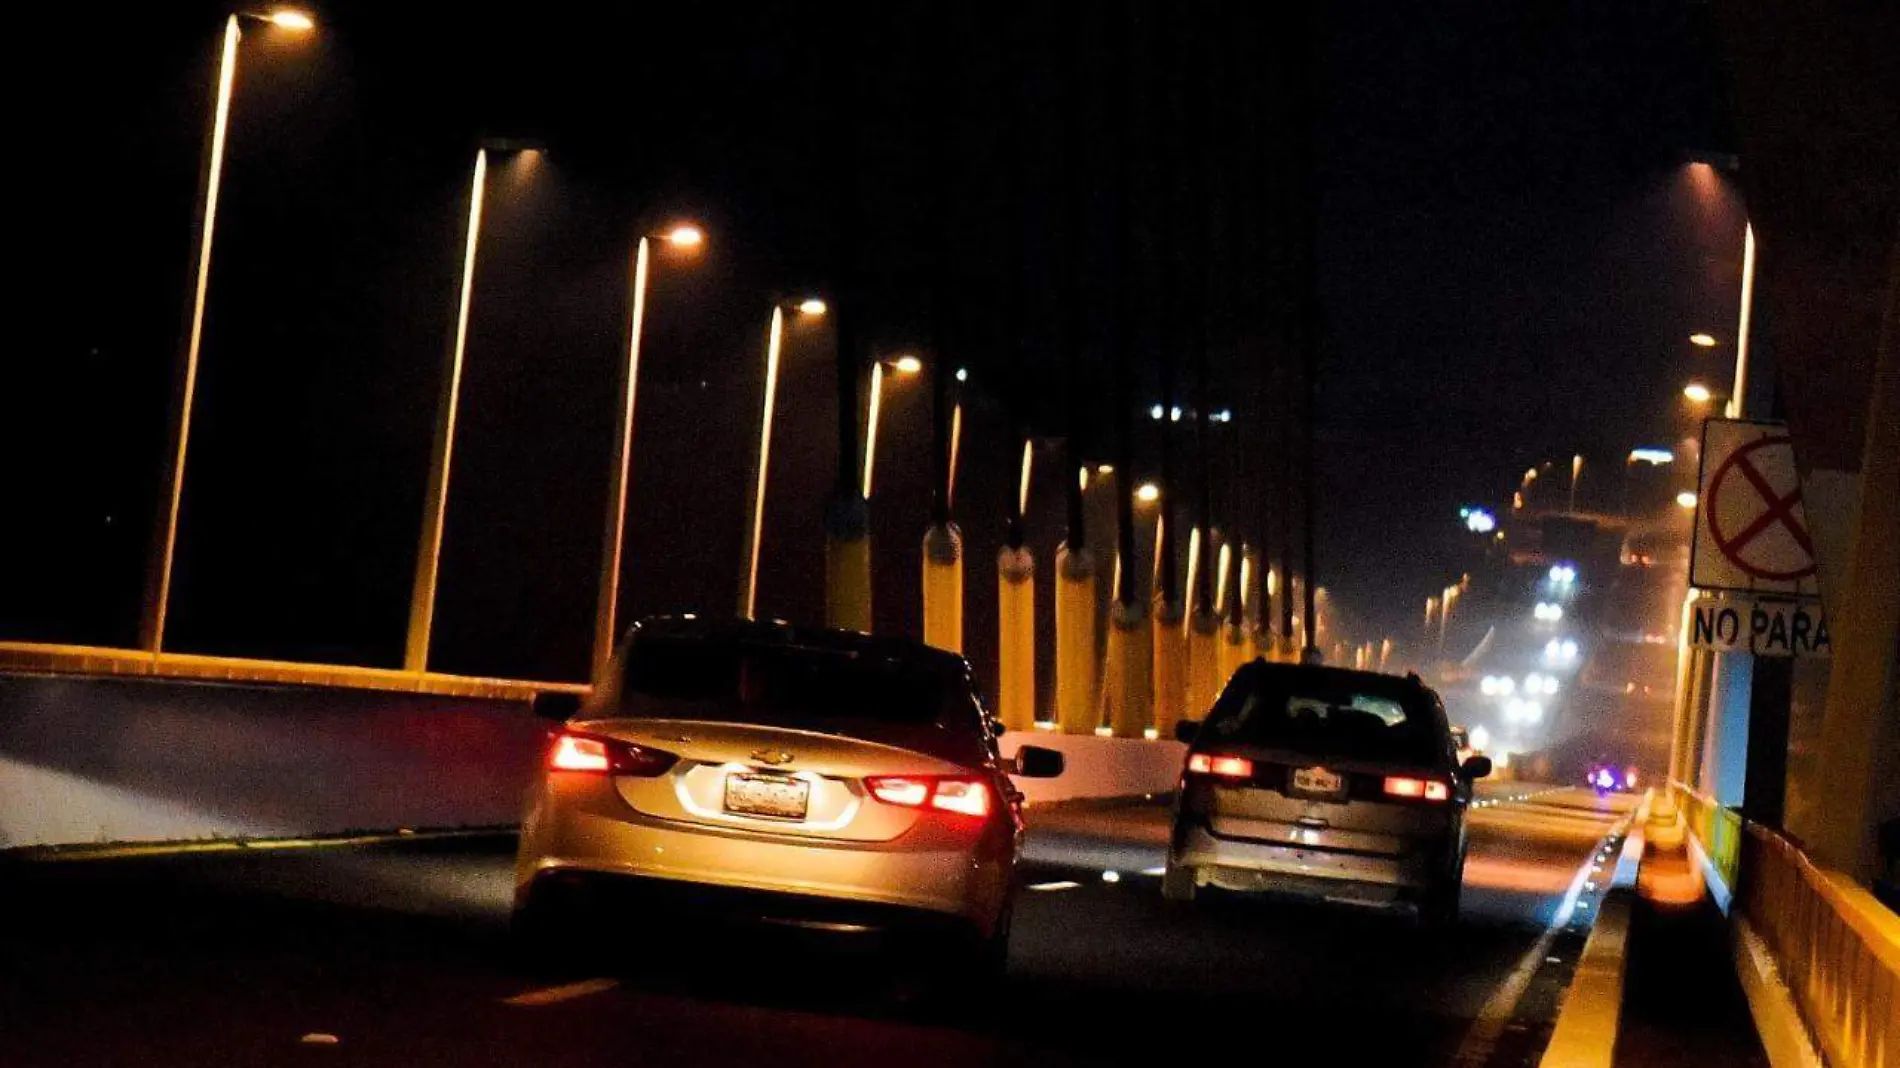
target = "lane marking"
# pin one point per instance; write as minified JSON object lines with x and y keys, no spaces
{"x":565,"y":992}
{"x":1059,"y":884}
{"x":1482,"y":1038}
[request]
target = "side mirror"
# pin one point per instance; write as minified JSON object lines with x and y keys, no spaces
{"x":1475,"y":768}
{"x":556,"y":705}
{"x":1187,"y":730}
{"x":1035,"y":762}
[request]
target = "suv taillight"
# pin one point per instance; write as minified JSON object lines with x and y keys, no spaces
{"x":1222,"y":767}
{"x":573,"y":751}
{"x":1417,"y":789}
{"x":965,"y":795}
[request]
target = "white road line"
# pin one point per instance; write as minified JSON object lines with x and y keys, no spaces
{"x":565,"y":992}
{"x":1059,"y":884}
{"x":1483,"y":1036}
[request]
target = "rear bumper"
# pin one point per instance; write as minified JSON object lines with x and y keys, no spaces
{"x":579,"y":832}
{"x":1252,"y":865}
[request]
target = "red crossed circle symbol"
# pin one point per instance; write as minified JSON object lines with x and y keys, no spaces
{"x":1778,"y":510}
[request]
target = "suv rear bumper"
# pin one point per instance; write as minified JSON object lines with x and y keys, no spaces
{"x":1252,"y":865}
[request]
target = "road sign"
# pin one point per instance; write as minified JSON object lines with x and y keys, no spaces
{"x":1751,"y":532}
{"x":1765,"y":628}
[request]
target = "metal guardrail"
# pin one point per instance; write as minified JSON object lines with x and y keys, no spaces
{"x":1836,"y":946}
{"x":1838,"y":949}
{"x":41,"y":658}
{"x":1718,"y":829}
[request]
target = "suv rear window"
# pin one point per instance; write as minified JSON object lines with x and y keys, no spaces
{"x":1332,"y":714}
{"x":733,"y":681}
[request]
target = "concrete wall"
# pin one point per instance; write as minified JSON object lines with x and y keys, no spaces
{"x":123,"y":760}
{"x":1101,"y":767}
{"x":86,"y":760}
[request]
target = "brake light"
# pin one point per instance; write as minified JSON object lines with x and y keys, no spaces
{"x":574,"y":753}
{"x":1226,"y":767}
{"x":966,"y":796}
{"x":963,"y":796}
{"x":582,"y":752}
{"x":909,"y":793}
{"x":1421,"y":789}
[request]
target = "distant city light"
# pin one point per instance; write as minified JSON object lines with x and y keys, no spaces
{"x":1157,"y":412}
{"x":1653,"y":457}
{"x":1223,"y":415}
{"x":1697,"y":392}
{"x":1558,"y":653}
{"x":1148,"y":493}
{"x":1174,"y":414}
{"x":1702,"y":341}
{"x":1497,"y":686}
{"x":1686,"y":499}
{"x":963,"y":374}
{"x":1479,"y":521}
{"x":1562,"y":575}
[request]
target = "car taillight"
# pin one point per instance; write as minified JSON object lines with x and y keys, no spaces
{"x":1226,"y":767}
{"x":1419,"y":789}
{"x":573,"y":753}
{"x":964,"y":796}
{"x":582,"y":752}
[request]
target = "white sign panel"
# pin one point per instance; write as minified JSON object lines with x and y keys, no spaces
{"x":1751,"y":532}
{"x":1765,"y":628}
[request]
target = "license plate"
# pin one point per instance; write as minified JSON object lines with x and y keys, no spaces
{"x":1318,"y":781}
{"x":776,"y":796}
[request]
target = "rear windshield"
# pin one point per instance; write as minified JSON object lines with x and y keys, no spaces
{"x":1335,"y":715}
{"x":741,"y":682}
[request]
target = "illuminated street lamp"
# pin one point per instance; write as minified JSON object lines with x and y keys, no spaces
{"x":1697,"y":393}
{"x":158,"y":595}
{"x":906,"y":365}
{"x":1147,"y":493}
{"x":811,"y":308}
{"x":685,"y":235}
{"x":1686,"y":500}
{"x":1702,"y":341}
{"x":687,"y":238}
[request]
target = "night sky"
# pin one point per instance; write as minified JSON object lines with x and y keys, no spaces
{"x":1510,"y":251}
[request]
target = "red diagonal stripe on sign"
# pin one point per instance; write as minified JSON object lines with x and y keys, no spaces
{"x":1780,"y":510}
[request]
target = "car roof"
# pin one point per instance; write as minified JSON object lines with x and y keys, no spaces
{"x":778,"y":632}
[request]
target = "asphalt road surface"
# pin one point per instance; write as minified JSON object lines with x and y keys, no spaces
{"x":396,"y":954}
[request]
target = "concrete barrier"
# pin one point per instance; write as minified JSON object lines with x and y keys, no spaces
{"x":86,"y":760}
{"x":1100,"y":767}
{"x":128,"y":760}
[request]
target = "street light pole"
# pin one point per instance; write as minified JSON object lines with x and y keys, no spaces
{"x":435,"y":499}
{"x":774,"y":341}
{"x":755,"y":529}
{"x":159,"y":586}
